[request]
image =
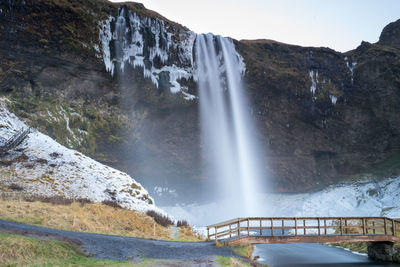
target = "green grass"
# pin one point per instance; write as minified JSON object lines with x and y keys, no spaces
{"x":230,"y":261}
{"x":18,"y":250}
{"x":244,"y":251}
{"x":389,"y":167}
{"x":28,"y":220}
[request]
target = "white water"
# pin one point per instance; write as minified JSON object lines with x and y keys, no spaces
{"x":226,"y":127}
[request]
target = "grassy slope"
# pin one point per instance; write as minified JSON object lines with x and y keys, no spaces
{"x":92,"y":217}
{"x":26,"y":251}
{"x":16,"y":250}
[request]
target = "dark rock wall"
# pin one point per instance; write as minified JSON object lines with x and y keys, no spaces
{"x":350,"y":123}
{"x":311,"y":139}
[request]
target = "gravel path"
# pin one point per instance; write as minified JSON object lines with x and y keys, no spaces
{"x":123,"y":248}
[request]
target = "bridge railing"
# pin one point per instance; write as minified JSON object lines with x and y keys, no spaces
{"x":304,"y":226}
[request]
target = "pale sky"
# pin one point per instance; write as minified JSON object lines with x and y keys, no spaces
{"x":338,"y":24}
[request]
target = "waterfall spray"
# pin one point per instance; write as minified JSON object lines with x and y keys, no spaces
{"x":226,"y":125}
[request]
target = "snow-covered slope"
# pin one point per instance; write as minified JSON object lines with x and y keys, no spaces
{"x":381,"y":198}
{"x":42,"y":166}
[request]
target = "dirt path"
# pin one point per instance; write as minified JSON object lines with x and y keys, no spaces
{"x":126,"y":248}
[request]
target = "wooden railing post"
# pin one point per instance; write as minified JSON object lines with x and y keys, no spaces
{"x":260,"y":227}
{"x":373,"y":227}
{"x":248,"y":227}
{"x":295,"y":225}
{"x":341,"y":226}
{"x":283,"y":226}
{"x":216,"y":233}
{"x":384,"y":224}
{"x":230,"y":230}
{"x":393,"y":228}
{"x":208,"y":234}
{"x":345,"y":226}
{"x":304,"y":227}
{"x":272,"y":227}
{"x":239,"y":228}
{"x":319,"y":227}
{"x":325,"y":226}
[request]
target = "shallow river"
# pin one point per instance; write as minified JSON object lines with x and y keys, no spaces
{"x":313,"y":255}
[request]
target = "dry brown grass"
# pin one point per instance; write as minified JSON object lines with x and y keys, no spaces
{"x":90,"y":217}
{"x":186,"y":234}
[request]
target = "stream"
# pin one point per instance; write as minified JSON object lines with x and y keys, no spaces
{"x":309,"y":254}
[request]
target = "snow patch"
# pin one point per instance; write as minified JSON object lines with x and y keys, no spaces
{"x":351,"y":199}
{"x":188,"y":97}
{"x":105,"y":38}
{"x":314,"y":81}
{"x":51,"y":169}
{"x":333,"y":99}
{"x":134,"y":40}
{"x":351,"y":68}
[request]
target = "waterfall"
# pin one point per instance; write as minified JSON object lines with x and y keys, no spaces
{"x":227,"y":129}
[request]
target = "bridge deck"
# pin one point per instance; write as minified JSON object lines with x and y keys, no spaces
{"x":306,"y":230}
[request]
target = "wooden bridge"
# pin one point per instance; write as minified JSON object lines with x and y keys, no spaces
{"x":305,"y":230}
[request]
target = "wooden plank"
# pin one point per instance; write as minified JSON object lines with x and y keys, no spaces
{"x":225,"y":223}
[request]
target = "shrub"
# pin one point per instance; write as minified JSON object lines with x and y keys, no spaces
{"x":111,"y":203}
{"x":182,"y":223}
{"x":159,"y":218}
{"x":15,"y":187}
{"x":56,"y":200}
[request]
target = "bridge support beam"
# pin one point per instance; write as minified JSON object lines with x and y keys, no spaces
{"x":380,"y":251}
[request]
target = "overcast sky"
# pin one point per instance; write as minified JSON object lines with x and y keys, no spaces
{"x":338,"y":24}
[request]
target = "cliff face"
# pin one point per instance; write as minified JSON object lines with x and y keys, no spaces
{"x":128,"y":98}
{"x":325,"y":114}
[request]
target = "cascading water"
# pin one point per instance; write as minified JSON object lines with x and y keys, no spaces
{"x":226,"y":126}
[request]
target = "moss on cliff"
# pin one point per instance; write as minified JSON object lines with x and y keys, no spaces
{"x":85,"y":127}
